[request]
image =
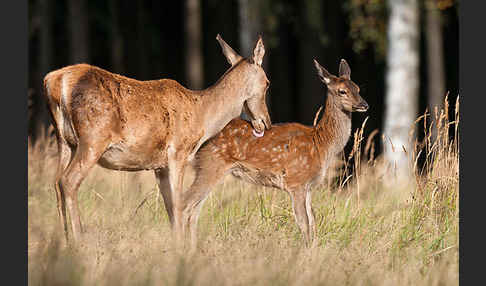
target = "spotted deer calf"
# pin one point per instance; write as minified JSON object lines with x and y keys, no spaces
{"x":125,"y":124}
{"x":291,"y":157}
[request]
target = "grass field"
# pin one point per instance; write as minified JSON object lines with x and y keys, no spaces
{"x":370,"y":229}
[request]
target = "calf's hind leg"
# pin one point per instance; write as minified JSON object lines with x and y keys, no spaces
{"x":209,"y":173}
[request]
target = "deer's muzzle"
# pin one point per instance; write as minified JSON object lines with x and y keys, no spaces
{"x":362,"y":107}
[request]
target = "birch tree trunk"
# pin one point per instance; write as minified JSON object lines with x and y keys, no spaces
{"x":435,"y":61}
{"x":194,"y":58}
{"x":402,"y":82}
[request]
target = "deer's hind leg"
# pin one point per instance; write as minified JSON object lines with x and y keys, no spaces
{"x":210,"y":170}
{"x":65,"y":156}
{"x":85,"y":157}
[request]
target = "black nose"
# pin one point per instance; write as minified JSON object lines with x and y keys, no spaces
{"x":363,"y":105}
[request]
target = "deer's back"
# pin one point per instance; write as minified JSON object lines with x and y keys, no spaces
{"x":89,"y":91}
{"x":72,"y":80}
{"x":286,"y":152}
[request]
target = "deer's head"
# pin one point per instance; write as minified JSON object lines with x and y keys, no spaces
{"x":344,"y":92}
{"x":256,"y":83}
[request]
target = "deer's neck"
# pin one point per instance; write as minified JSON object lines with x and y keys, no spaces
{"x":333,"y":130}
{"x":222,"y":102}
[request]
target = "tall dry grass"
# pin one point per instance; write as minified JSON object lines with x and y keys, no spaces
{"x":369,"y":231}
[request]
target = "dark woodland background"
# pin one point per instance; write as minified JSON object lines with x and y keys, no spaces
{"x":156,"y":39}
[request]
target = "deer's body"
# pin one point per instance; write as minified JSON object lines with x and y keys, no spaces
{"x":142,"y":117}
{"x":291,"y":156}
{"x":126,"y":124}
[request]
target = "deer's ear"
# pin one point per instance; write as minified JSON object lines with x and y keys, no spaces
{"x":258,"y":52}
{"x":344,"y":70}
{"x":228,"y":52}
{"x":324,"y":75}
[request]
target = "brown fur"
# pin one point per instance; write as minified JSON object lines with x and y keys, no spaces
{"x":126,"y":124}
{"x":291,"y":156}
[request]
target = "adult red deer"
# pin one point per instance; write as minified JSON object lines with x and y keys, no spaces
{"x":130,"y":125}
{"x":291,"y":157}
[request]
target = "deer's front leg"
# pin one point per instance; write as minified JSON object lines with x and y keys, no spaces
{"x":162,"y":178}
{"x":177,"y":161}
{"x":303,"y":213}
{"x":310,"y":217}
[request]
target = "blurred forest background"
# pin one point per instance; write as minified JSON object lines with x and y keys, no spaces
{"x":176,"y":39}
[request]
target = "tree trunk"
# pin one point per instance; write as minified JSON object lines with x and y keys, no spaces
{"x":220,"y":17}
{"x":41,"y":116}
{"x":250,"y":27}
{"x":280,"y":71}
{"x":78,"y":33}
{"x":194,"y":58}
{"x":143,"y":67}
{"x":435,"y":61}
{"x":310,"y":92}
{"x":116,"y":38}
{"x":402,"y":82}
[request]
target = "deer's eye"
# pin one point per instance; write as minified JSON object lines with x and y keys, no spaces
{"x":342,"y":92}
